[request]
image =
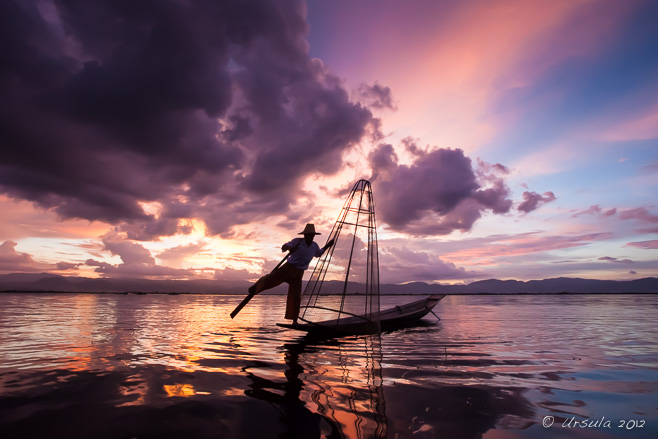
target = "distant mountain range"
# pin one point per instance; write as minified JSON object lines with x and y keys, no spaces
{"x":47,"y":282}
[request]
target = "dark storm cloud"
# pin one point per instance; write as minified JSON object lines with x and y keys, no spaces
{"x":438,"y":193}
{"x":532,"y":200}
{"x":211,"y":108}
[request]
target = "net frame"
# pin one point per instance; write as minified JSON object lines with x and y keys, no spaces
{"x":360,"y":202}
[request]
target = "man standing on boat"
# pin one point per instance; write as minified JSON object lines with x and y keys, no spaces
{"x":302,"y":251}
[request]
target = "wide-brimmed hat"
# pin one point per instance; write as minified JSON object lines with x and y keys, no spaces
{"x":309,"y":230}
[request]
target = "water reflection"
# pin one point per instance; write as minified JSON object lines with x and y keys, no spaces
{"x":117,"y":366}
{"x":335,"y":389}
{"x":327,"y":392}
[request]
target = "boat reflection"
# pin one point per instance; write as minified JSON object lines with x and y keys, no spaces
{"x":332,"y":388}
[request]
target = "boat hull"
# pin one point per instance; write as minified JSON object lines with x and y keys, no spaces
{"x":390,"y":319}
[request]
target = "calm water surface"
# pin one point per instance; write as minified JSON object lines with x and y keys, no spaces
{"x":169,"y":366}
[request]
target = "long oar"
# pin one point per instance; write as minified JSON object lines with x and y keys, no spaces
{"x":250,"y":295}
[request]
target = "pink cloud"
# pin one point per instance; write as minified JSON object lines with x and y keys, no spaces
{"x":649,"y":245}
{"x":491,"y":249}
{"x":640,"y":214}
{"x":596,"y":210}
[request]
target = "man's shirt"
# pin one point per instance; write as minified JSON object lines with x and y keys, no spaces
{"x":303,"y":255}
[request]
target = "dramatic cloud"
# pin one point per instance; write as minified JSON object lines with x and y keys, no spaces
{"x":208,"y":109}
{"x":532,"y":200}
{"x":649,"y":245}
{"x":436,"y":194}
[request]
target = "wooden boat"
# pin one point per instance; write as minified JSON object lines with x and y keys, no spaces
{"x":353,"y":261}
{"x":390,"y":319}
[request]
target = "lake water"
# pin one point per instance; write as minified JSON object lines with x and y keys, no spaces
{"x":177,"y":366}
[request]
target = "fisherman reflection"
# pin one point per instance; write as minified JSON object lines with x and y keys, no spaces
{"x":346,"y":405}
{"x":300,"y":421}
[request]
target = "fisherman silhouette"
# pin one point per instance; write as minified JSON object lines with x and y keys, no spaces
{"x":302,"y":251}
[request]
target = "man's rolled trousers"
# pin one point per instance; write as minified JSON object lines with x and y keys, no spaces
{"x":289,"y":274}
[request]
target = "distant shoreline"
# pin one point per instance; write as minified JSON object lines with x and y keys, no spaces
{"x":140,"y":293}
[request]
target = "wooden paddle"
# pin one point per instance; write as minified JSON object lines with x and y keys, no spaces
{"x":251,"y":295}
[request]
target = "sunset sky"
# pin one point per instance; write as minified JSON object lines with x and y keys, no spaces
{"x":170,"y":139}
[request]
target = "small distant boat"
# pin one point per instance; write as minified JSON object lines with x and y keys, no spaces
{"x":400,"y":316}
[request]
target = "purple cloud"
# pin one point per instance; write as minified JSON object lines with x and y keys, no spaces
{"x":11,"y":260}
{"x":376,"y":96}
{"x":532,"y":200}
{"x":438,"y":193}
{"x":615,"y":260}
{"x":212,"y":109}
{"x":137,"y":261}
